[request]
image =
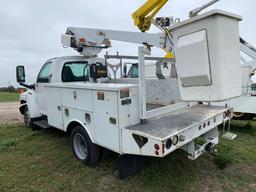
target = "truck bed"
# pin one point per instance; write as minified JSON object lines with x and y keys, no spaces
{"x":177,"y":121}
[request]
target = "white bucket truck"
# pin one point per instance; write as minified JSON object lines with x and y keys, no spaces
{"x":74,"y":93}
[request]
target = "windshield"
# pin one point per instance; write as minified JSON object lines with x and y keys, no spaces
{"x":44,"y":74}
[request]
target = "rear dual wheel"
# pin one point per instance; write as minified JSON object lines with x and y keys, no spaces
{"x":83,"y":148}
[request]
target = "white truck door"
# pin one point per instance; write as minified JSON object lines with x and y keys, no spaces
{"x":43,"y":79}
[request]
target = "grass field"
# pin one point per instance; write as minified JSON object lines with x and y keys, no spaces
{"x":8,"y":97}
{"x":43,"y":161}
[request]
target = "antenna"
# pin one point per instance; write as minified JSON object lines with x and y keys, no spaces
{"x":195,"y":11}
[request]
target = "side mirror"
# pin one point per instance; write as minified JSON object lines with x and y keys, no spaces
{"x":20,"y":74}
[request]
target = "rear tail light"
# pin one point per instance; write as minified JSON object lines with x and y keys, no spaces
{"x":156,"y":147}
{"x":163,"y":148}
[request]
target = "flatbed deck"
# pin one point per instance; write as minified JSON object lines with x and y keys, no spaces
{"x":176,"y":121}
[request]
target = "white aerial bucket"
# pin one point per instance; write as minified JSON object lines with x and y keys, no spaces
{"x":208,"y":56}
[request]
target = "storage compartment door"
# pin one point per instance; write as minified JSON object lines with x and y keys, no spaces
{"x":193,"y":63}
{"x":106,"y":119}
{"x":54,"y":107}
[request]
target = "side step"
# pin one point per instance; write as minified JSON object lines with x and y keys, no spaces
{"x":229,"y":136}
{"x":43,"y":124}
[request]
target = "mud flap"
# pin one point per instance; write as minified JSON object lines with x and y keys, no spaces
{"x":129,"y":165}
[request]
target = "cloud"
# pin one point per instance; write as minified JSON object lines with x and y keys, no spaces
{"x":30,"y":30}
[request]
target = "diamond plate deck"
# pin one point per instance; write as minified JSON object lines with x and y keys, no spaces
{"x":177,"y":121}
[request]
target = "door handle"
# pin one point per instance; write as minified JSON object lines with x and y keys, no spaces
{"x":74,"y":95}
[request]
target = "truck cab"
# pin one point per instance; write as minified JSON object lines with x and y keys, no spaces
{"x":67,"y":69}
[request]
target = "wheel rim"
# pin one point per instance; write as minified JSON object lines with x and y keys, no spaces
{"x":237,"y":114}
{"x":27,"y":119}
{"x":80,"y":146}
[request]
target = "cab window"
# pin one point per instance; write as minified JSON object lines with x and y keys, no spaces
{"x":134,"y":72}
{"x":44,"y":74}
{"x":75,"y":71}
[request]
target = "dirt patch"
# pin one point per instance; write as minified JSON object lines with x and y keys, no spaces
{"x":9,"y":113}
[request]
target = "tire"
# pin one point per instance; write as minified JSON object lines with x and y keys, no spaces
{"x":27,"y":120}
{"x":83,"y":148}
{"x":242,"y":116}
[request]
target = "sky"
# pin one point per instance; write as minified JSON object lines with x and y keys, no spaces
{"x":30,"y":30}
